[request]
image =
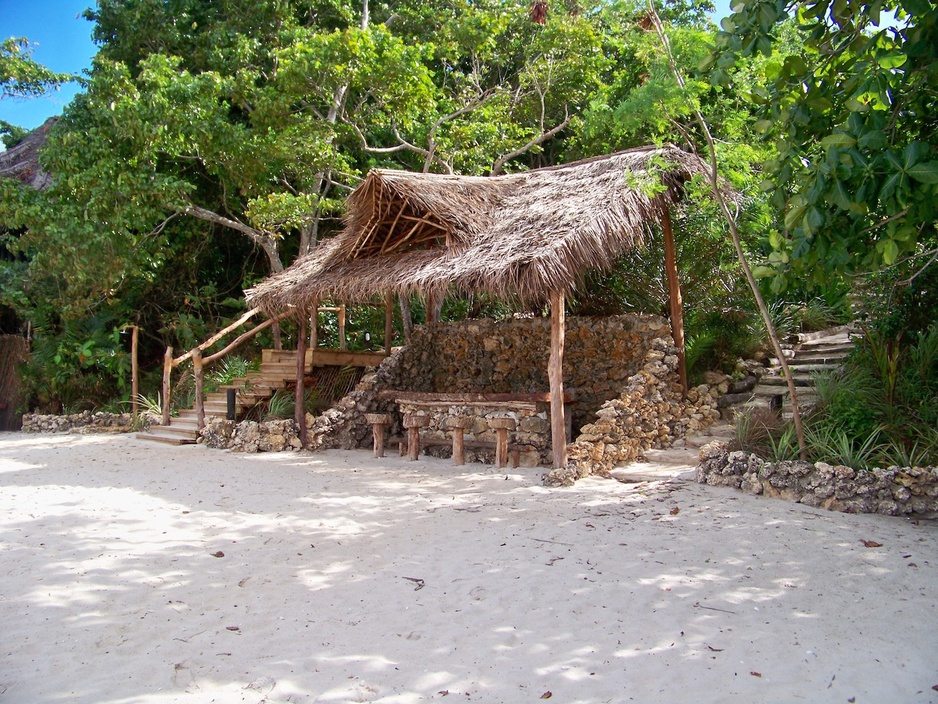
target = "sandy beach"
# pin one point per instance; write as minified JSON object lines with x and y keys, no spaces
{"x":134,"y":572}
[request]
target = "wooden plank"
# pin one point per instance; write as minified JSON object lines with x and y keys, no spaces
{"x":511,"y":405}
{"x":341,"y":358}
{"x":217,"y":336}
{"x":558,"y":426}
{"x":468,"y":397}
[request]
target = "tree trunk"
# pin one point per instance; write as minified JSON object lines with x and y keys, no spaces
{"x":406,"y":318}
{"x":674,"y":296}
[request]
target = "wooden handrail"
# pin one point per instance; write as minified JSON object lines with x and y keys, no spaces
{"x":217,"y":336}
{"x":199,"y":362}
{"x":243,"y":337}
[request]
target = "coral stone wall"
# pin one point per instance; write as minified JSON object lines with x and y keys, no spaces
{"x":510,"y":356}
{"x":507,"y":356}
{"x":894,"y":491}
{"x":86,"y":421}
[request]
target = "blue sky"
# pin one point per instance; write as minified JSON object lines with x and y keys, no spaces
{"x":63,"y":43}
{"x":62,"y":40}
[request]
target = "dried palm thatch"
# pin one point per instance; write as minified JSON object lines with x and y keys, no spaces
{"x":516,"y":236}
{"x":22,"y":161}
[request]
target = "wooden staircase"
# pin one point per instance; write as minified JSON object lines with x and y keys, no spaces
{"x":814,"y":352}
{"x":335,"y":372}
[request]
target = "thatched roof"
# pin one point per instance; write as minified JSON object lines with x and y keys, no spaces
{"x":519,"y":235}
{"x":22,"y":161}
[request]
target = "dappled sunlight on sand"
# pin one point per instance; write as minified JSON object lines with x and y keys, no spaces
{"x":137,"y":573}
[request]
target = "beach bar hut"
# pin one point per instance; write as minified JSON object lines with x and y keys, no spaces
{"x":529,"y":236}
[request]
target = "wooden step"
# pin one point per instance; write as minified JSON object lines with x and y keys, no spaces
{"x":167,"y":439}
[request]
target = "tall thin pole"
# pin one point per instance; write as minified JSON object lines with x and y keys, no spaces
{"x":299,"y":410}
{"x":558,"y":426}
{"x":674,"y":296}
{"x":134,"y":371}
{"x":388,"y":322}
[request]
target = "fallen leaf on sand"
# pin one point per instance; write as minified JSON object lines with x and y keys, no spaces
{"x":443,"y":692}
{"x":675,"y":511}
{"x":755,"y":674}
{"x":420,"y":583}
{"x":872,"y":544}
{"x":715,"y":650}
{"x":232,"y":628}
{"x":547,"y":695}
{"x":218,"y":554}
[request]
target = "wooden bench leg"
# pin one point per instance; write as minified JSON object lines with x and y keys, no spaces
{"x":413,"y":443}
{"x":459,"y":446}
{"x":414,"y":423}
{"x":378,"y":431}
{"x":379,"y":421}
{"x":501,"y":447}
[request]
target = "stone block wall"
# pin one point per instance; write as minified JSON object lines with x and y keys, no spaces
{"x":649,"y":412}
{"x":84,"y":422}
{"x":894,"y":491}
{"x":507,"y":356}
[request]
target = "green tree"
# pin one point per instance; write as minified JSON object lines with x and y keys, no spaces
{"x":852,"y":126}
{"x":20,"y":76}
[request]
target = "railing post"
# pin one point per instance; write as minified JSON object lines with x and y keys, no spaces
{"x":388,"y":322}
{"x":199,"y":403}
{"x":342,"y":327}
{"x":314,"y":327}
{"x":167,"y":373}
{"x":134,"y":372}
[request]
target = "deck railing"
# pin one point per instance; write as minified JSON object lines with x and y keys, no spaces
{"x":199,"y":362}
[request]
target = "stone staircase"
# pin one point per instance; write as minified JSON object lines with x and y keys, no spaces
{"x":813,"y":352}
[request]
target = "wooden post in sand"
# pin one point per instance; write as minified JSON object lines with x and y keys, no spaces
{"x":558,"y":427}
{"x":199,"y":386}
{"x":167,"y":374}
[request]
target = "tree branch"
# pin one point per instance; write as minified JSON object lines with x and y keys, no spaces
{"x":540,"y":139}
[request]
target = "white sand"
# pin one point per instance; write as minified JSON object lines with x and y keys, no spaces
{"x":601,"y":593}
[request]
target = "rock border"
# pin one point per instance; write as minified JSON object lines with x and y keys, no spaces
{"x":892,"y":491}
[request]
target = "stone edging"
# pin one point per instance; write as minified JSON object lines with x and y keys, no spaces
{"x":893,"y":491}
{"x":84,"y":422}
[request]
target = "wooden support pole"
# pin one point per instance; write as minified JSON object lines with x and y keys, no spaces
{"x":388,"y":322}
{"x":342,"y":327}
{"x":167,"y":373}
{"x":558,"y":434}
{"x":674,"y":295}
{"x":314,"y":326}
{"x":299,"y":410}
{"x":134,"y":370}
{"x":199,"y":384}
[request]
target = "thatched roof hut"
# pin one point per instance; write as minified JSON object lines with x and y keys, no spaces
{"x":22,"y":161}
{"x":531,"y":236}
{"x":520,"y":235}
